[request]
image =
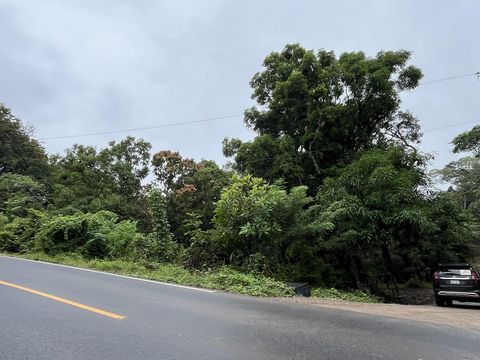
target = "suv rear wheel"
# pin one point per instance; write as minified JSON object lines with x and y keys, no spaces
{"x":439,"y":301}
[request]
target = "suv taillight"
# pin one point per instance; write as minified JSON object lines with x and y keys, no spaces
{"x":475,"y":277}
{"x":435,"y":277}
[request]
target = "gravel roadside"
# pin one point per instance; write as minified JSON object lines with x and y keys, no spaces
{"x":461,"y":315}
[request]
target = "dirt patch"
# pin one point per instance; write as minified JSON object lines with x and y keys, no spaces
{"x":460,"y":314}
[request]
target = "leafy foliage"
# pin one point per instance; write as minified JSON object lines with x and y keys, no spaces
{"x":189,"y":187}
{"x":18,"y":193}
{"x":17,"y":234}
{"x":85,"y":233}
{"x":224,"y":279}
{"x":352,"y":296}
{"x":320,"y":110}
{"x":379,"y":224}
{"x":110,"y":179}
{"x":255,"y":217}
{"x":468,"y":141}
{"x":332,"y":191}
{"x":20,"y":153}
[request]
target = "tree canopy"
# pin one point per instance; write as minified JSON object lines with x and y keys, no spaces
{"x":20,"y":153}
{"x":332,"y":190}
{"x":322,"y":110}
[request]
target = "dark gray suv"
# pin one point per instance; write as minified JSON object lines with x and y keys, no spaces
{"x":460,"y":282}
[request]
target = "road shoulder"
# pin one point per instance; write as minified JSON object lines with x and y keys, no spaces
{"x":460,"y":315}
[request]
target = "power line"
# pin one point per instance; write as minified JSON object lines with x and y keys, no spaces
{"x":308,"y":152}
{"x":477,"y":74}
{"x":143,"y":128}
{"x":451,"y":126}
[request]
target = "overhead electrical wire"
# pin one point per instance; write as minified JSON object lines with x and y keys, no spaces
{"x":477,"y":74}
{"x":143,"y":128}
{"x":166,"y":125}
{"x":451,"y":126}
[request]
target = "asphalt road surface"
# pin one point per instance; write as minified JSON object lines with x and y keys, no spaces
{"x":54,"y":312}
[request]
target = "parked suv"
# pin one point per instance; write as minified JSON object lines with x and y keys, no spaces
{"x":460,"y":282}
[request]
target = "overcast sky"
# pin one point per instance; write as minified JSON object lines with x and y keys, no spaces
{"x":74,"y":67}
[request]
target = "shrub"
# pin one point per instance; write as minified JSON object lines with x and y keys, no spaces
{"x":124,"y":240}
{"x":256,"y":263}
{"x":17,"y":233}
{"x":353,"y":296}
{"x":80,"y":232}
{"x":231,"y":280}
{"x":204,"y":248}
{"x":152,"y":248}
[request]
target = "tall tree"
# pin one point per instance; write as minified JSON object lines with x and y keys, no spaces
{"x":18,"y":193}
{"x":464,"y":174}
{"x":190,"y":188}
{"x":19,"y":152}
{"x":109,"y":179}
{"x":328,"y":108}
{"x":468,"y":141}
{"x":380,"y":223}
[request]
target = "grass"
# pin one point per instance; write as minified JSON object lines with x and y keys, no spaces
{"x":224,"y":278}
{"x":352,"y":296}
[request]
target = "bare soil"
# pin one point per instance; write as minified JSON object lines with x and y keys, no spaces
{"x":463,"y":315}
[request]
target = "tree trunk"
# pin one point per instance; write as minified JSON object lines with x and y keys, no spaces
{"x":387,"y":258}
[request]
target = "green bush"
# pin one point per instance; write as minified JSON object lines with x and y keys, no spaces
{"x":80,"y":232}
{"x":353,"y":296}
{"x":124,"y":241}
{"x":204,"y":250}
{"x":256,"y":264}
{"x":231,"y":280}
{"x":17,"y":233}
{"x":152,"y":248}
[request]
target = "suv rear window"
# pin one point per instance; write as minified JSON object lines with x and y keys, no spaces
{"x":454,"y":272}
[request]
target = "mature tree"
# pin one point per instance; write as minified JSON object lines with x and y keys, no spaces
{"x":127,"y":163}
{"x":375,"y":217}
{"x":190,"y":188}
{"x":468,"y":141}
{"x":267,"y":157}
{"x":19,"y":152}
{"x":109,"y":179}
{"x":159,"y":244}
{"x":325,"y":109}
{"x":170,"y":168}
{"x":464,"y":175}
{"x":18,"y":193}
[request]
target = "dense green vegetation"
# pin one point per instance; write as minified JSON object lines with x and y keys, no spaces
{"x":223,"y":278}
{"x":332,"y":191}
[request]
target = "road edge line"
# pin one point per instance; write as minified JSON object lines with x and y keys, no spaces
{"x":112,"y":274}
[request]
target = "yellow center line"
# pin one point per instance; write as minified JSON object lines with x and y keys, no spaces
{"x":65,"y":301}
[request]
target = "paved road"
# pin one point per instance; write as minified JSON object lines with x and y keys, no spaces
{"x":167,"y":322}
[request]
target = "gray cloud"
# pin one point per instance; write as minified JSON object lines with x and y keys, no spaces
{"x":79,"y":67}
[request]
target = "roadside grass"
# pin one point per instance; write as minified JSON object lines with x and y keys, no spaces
{"x":351,"y":296}
{"x":224,"y":278}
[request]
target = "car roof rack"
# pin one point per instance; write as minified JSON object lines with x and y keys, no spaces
{"x":455,"y":265}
